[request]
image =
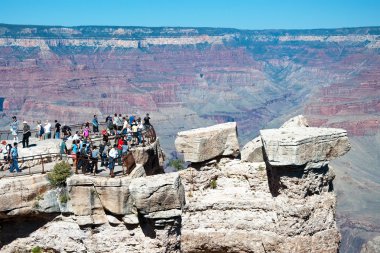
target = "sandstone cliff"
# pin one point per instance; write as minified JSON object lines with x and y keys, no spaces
{"x":219,"y":204}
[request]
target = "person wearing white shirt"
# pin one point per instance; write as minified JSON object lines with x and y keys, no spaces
{"x":113,"y":154}
{"x":47,"y":129}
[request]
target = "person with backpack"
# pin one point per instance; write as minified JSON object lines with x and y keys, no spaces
{"x":14,"y":156}
{"x":103,"y":150}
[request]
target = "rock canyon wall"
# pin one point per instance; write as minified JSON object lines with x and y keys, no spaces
{"x":196,"y":77}
{"x":218,"y":204}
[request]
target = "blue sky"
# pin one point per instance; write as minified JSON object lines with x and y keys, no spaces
{"x":243,"y":14}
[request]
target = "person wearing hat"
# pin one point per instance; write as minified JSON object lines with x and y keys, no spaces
{"x":14,"y":128}
{"x":25,"y":135}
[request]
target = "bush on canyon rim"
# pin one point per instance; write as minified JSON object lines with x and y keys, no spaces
{"x":60,"y":172}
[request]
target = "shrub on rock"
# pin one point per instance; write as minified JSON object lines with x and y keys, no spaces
{"x":59,"y":174}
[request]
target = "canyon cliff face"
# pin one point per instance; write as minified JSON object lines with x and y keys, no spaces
{"x":194,"y":77}
{"x":218,"y":204}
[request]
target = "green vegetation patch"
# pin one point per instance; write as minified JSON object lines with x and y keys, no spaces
{"x":59,"y":174}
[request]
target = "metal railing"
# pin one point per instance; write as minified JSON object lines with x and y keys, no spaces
{"x":128,"y":161}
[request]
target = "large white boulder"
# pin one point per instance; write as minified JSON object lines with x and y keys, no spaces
{"x":253,"y":150}
{"x":299,"y":146}
{"x":206,"y":143}
{"x":297,"y":121}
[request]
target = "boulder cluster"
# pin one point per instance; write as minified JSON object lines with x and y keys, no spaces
{"x":276,"y":195}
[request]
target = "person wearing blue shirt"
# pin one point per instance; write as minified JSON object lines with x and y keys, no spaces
{"x":131,"y":119}
{"x":95,"y":124}
{"x":14,"y":155}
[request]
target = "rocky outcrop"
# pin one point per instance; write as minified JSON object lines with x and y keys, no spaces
{"x":199,"y":145}
{"x":253,"y":150}
{"x":297,"y":121}
{"x":151,"y":157}
{"x":371,"y":246}
{"x":295,"y":146}
{"x":218,"y":205}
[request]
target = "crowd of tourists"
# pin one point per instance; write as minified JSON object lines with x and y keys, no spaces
{"x":127,"y":131}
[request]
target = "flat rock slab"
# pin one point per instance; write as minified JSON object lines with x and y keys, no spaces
{"x":298,"y":146}
{"x":202,"y":144}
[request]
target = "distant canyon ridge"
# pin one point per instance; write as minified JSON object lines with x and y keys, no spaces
{"x":192,"y":77}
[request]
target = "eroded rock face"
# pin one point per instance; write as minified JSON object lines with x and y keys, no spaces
{"x":253,"y":151}
{"x":298,"y":146}
{"x":223,"y":205}
{"x":151,"y":157}
{"x":242,"y":215}
{"x":371,"y":246}
{"x":202,"y":144}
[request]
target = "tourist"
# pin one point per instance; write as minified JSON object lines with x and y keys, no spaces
{"x":134,"y":132}
{"x":14,"y":128}
{"x":124,"y":147}
{"x":109,"y":125}
{"x":74,"y":155}
{"x":114,"y":122}
{"x":25,"y":135}
{"x":14,"y":156}
{"x":83,"y":160}
{"x":119,"y":123}
{"x":94,"y":159}
{"x":112,"y":159}
{"x":47,"y":130}
{"x":63,"y":147}
{"x":86,"y":132}
{"x":103,"y":150}
{"x":40,"y":130}
{"x":95,"y":125}
{"x":5,"y":150}
{"x":76,"y":136}
{"x":120,"y":143}
{"x":57,"y":130}
{"x":66,"y":130}
{"x":140,"y":129}
{"x":147,"y":120}
{"x":105,"y":135}
{"x":125,"y":126}
{"x":131,"y":119}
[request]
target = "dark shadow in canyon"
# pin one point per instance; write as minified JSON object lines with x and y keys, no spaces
{"x":19,"y":227}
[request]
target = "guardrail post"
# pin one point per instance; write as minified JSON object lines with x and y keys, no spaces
{"x":43,"y":167}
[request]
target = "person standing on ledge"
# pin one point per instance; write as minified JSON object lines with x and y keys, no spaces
{"x":57,"y":129}
{"x":14,"y":128}
{"x":147,"y":120}
{"x":47,"y":129}
{"x":14,"y":155}
{"x":25,"y":135}
{"x":112,"y":159}
{"x":95,"y":125}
